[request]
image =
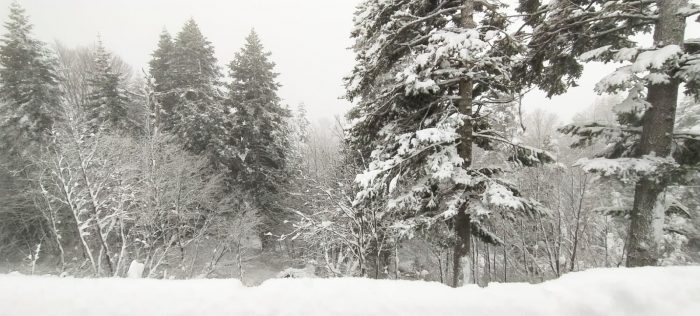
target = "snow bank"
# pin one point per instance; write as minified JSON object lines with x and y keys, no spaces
{"x":135,"y":270}
{"x":644,"y":291}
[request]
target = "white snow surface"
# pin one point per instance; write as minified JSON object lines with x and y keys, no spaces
{"x":640,"y":291}
{"x":594,"y":53}
{"x":626,"y":54}
{"x":625,"y":167}
{"x":655,"y":59}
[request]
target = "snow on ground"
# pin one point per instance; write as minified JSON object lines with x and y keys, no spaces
{"x":642,"y":291}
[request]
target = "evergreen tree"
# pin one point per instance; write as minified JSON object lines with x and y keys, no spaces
{"x":425,"y":83}
{"x":198,"y":114}
{"x":107,"y":102}
{"x":160,"y":70}
{"x":28,"y":90}
{"x":301,"y":123}
{"x":644,"y":146}
{"x":259,"y":128}
{"x":29,"y":107}
{"x":298,"y":138}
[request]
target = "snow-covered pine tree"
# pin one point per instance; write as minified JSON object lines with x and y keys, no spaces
{"x":643,"y":145}
{"x":426,"y":79}
{"x":28,"y":84}
{"x":198,"y":115}
{"x":160,"y":70}
{"x":260,"y":124}
{"x":107,"y":102}
{"x":29,"y":103}
{"x":298,"y":138}
{"x":301,"y":121}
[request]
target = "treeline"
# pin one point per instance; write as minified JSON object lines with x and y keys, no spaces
{"x":437,"y":174}
{"x":102,"y":166}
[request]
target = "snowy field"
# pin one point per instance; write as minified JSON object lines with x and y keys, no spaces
{"x":642,"y":291}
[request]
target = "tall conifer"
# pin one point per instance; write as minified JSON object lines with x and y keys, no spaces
{"x":259,"y":128}
{"x":160,"y":68}
{"x":197,"y":114}
{"x":108,"y":102}
{"x":29,"y":90}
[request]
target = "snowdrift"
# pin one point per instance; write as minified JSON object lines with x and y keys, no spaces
{"x":642,"y":291}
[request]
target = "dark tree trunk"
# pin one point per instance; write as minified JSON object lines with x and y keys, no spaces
{"x":647,"y":216}
{"x":461,"y":249}
{"x":464,"y":148}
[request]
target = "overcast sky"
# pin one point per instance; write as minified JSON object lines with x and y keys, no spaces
{"x":308,"y":40}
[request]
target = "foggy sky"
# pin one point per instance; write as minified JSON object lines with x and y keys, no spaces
{"x":308,"y":40}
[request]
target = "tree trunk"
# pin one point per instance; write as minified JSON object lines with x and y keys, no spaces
{"x":647,"y":216}
{"x":460,"y":260}
{"x":464,"y":148}
{"x":474,"y":264}
{"x":52,"y":219}
{"x":92,"y":203}
{"x":396,"y":260}
{"x":505,"y":256}
{"x":66,"y":190}
{"x":122,"y":252}
{"x":577,"y":228}
{"x":239,"y":259}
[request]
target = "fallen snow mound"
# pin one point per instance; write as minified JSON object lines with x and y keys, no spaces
{"x":641,"y":291}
